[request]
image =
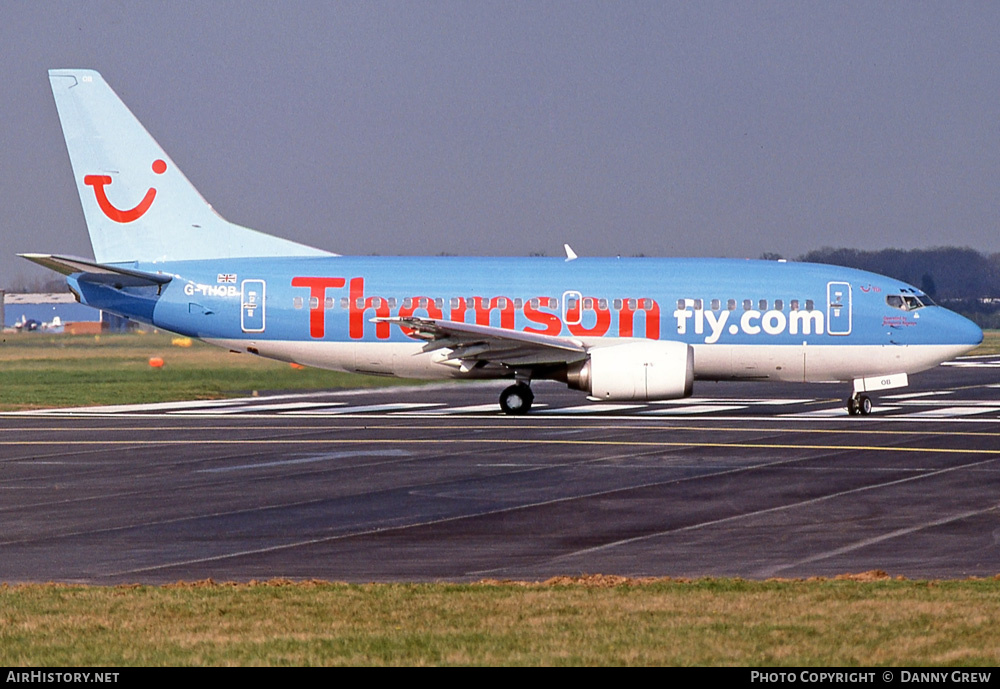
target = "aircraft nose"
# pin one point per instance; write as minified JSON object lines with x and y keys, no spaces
{"x":964,"y":331}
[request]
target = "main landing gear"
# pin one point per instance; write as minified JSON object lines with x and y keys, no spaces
{"x":859,"y":404}
{"x":517,"y":399}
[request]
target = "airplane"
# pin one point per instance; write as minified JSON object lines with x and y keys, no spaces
{"x":27,"y":324}
{"x":615,"y":328}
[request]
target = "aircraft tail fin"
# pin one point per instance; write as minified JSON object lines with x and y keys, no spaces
{"x":138,"y":205}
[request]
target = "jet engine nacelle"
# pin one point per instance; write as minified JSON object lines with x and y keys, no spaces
{"x":640,"y":370}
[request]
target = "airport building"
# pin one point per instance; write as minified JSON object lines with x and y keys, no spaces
{"x":55,"y":313}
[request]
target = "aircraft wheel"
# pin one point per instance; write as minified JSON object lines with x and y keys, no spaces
{"x":852,"y":406}
{"x":516,"y":399}
{"x":865,"y":405}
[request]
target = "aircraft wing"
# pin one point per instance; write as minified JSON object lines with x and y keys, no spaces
{"x":98,"y":272}
{"x":481,"y":343}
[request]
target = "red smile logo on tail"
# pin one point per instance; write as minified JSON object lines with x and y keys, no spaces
{"x":116,"y":214}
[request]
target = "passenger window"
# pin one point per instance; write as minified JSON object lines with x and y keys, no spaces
{"x":762,"y":305}
{"x":297,"y":302}
{"x":313,"y":303}
{"x":747,"y":305}
{"x":779,"y":305}
{"x":716,"y":305}
{"x":794,"y":304}
{"x":697,"y":304}
{"x":731,"y":305}
{"x":809,"y":304}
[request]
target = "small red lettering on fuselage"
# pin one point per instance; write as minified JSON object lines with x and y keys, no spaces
{"x":594,"y":320}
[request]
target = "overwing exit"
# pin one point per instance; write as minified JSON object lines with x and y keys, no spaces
{"x":616,"y":329}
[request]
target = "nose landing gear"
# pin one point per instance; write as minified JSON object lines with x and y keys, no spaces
{"x":859,"y":404}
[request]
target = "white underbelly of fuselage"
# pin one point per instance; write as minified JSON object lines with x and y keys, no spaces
{"x":797,"y":363}
{"x":816,"y":363}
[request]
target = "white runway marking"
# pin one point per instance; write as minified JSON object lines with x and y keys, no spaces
{"x":949,"y":412}
{"x":590,"y":409}
{"x":284,"y":406}
{"x":309,"y":460}
{"x":779,"y":508}
{"x":903,"y":406}
{"x":695,"y":409}
{"x":213,"y":405}
{"x":950,"y":403}
{"x":471,"y":409}
{"x":134,"y":408}
{"x":732,"y":400}
{"x":912,"y":395}
{"x":837,"y":411}
{"x":973,"y":364}
{"x":772,"y":571}
{"x":367,"y":408}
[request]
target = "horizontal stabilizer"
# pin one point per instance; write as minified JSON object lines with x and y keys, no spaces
{"x":97,"y":272}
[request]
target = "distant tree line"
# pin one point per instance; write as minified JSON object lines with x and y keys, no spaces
{"x":35,"y":285}
{"x":962,"y":279}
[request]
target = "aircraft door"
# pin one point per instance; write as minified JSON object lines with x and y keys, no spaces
{"x":572,"y":307}
{"x":838,"y":308}
{"x":252,"y":306}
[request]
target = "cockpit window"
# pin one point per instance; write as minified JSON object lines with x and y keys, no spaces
{"x":905,"y":302}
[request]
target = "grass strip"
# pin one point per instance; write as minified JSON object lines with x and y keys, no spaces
{"x":44,"y":371}
{"x":862,"y":620}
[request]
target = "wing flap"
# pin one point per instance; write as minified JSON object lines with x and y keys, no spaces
{"x":468,"y":342}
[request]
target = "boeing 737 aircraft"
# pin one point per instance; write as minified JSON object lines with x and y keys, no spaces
{"x":615,"y":328}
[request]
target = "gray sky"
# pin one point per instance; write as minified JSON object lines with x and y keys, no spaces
{"x":506,"y":128}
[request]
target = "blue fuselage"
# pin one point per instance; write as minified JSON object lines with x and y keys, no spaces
{"x":703,"y":302}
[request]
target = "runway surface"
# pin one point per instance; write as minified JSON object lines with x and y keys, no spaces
{"x":433,"y":483}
